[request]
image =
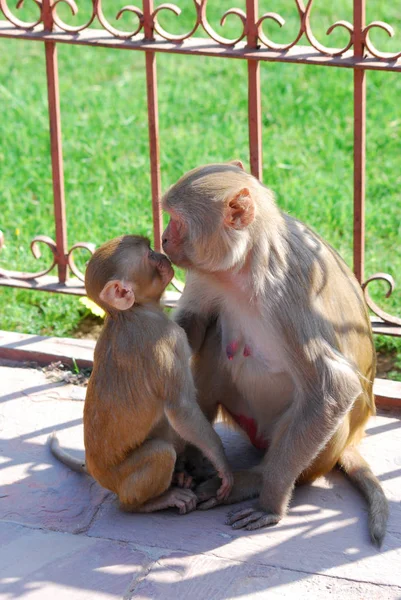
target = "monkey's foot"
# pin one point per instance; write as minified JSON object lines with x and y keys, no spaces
{"x":183,"y":499}
{"x":250,"y":519}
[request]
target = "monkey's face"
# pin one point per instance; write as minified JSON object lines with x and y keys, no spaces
{"x":211,"y":210}
{"x":213,"y":242}
{"x":174,"y":241}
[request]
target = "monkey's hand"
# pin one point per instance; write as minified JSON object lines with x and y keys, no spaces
{"x":227,"y":480}
{"x":251,"y":518}
{"x":207,"y":494}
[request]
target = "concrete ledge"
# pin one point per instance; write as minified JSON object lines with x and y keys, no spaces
{"x":387,"y":392}
{"x":45,"y":350}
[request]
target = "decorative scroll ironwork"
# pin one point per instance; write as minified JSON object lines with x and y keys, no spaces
{"x":304,"y":29}
{"x":371,"y":48}
{"x":74,"y":9}
{"x":70,"y":258}
{"x":44,"y":239}
{"x":358,"y":53}
{"x":201,"y":22}
{"x":17,"y":22}
{"x":387,"y":318}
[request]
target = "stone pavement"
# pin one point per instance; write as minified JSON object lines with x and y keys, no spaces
{"x":63,"y":537}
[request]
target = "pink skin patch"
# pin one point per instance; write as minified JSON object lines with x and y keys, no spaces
{"x":247,"y":351}
{"x":249,"y":426}
{"x":232,"y":349}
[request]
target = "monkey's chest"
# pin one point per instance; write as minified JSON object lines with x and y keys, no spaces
{"x":253,"y":357}
{"x":250,"y":344}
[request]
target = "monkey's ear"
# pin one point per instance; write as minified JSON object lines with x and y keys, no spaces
{"x":240,"y":210}
{"x":237,"y":163}
{"x":118,"y":294}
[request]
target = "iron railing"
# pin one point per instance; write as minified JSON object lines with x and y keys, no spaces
{"x":252,"y":45}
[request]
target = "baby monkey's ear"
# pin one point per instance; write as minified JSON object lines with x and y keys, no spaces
{"x":118,"y":293}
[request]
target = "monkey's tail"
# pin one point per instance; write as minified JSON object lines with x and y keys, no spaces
{"x":360,"y":473}
{"x":73,"y":463}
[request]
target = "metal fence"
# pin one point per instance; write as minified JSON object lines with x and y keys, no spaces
{"x":252,"y":45}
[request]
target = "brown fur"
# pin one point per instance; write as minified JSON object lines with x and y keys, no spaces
{"x":262,"y":279}
{"x":140,"y":403}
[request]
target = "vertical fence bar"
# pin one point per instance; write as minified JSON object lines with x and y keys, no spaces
{"x":153,"y":119}
{"x":56,"y":145}
{"x":254,"y":100}
{"x":359,"y":143}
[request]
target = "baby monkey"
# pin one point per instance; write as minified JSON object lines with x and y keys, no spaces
{"x":140,"y":403}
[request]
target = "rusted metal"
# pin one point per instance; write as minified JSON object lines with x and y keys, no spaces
{"x":359,"y":143}
{"x":358,"y":32}
{"x":254,"y":99}
{"x":305,"y":29}
{"x":55,"y":145}
{"x":252,"y":45}
{"x":382,"y":328}
{"x":203,"y":47}
{"x":200,"y":22}
{"x":45,"y":283}
{"x":371,"y":48}
{"x":389,"y":319}
{"x":57,"y":159}
{"x":153,"y":126}
{"x":37,"y":254}
{"x":70,"y":258}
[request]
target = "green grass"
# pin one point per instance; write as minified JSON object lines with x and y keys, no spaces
{"x":307,"y":136}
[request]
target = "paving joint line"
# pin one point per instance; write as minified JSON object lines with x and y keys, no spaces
{"x":166,"y":552}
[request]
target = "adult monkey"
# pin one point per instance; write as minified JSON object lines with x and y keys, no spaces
{"x":281,"y":339}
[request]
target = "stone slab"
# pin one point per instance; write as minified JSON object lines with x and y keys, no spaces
{"x":321,"y":549}
{"x":175,"y":577}
{"x":35,"y":488}
{"x":44,"y":565}
{"x":325,"y":531}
